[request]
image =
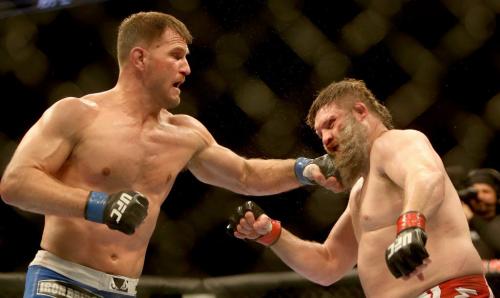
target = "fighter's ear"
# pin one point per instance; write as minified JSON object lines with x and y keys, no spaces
{"x":360,"y":110}
{"x":137,"y":56}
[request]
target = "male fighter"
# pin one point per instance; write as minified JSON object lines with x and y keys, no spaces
{"x":99,"y":167}
{"x":404,"y":226}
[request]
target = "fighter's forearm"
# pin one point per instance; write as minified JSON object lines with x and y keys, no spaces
{"x":266,"y":177}
{"x":32,"y":190}
{"x":310,"y":259}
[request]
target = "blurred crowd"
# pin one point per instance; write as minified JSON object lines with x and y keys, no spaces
{"x":236,"y":54}
{"x":479,"y":192}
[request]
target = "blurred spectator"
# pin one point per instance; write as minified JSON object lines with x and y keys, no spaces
{"x":481,"y":204}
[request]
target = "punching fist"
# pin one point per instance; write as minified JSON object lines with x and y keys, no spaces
{"x":303,"y":168}
{"x":123,"y":211}
{"x":408,"y":251}
{"x":247,"y":227}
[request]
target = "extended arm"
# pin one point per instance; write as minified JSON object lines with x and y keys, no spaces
{"x":222,"y":167}
{"x":219,"y":166}
{"x":323,"y":263}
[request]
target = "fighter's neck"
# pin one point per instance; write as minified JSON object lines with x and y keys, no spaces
{"x":135,"y":102}
{"x":378,"y":130}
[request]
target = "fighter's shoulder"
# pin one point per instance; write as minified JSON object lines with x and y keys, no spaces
{"x":189,"y":122}
{"x":71,"y":111}
{"x":402,"y":134}
{"x":74,"y":106}
{"x":193,"y":126}
{"x":396,"y":138}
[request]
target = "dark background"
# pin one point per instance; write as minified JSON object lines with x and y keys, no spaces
{"x":256,"y":67}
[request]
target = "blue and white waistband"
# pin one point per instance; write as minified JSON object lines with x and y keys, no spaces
{"x":88,"y":276}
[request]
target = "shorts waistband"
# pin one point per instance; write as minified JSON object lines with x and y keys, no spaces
{"x":88,"y":276}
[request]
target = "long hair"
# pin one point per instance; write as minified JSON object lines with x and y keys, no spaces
{"x":345,"y":93}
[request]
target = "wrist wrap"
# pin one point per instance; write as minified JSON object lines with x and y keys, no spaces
{"x":410,"y":219}
{"x":96,"y":202}
{"x":300,"y":164}
{"x":273,"y":236}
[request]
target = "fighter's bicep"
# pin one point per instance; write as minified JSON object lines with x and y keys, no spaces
{"x":48,"y":143}
{"x":43,"y":149}
{"x":215,"y":164}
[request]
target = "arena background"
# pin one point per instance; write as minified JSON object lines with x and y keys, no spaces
{"x":256,"y":67}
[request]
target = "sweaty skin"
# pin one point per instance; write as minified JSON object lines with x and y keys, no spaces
{"x":124,"y":139}
{"x":402,"y":173}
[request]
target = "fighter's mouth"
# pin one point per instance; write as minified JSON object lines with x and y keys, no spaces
{"x":333,"y":149}
{"x":178,"y":84}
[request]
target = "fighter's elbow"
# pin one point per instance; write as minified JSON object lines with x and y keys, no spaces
{"x":326,"y":282}
{"x":435,"y":180}
{"x":9,"y":188}
{"x":431,"y":184}
{"x":330,"y":274}
{"x":6,"y":190}
{"x":327,"y":279}
{"x":427,"y":179}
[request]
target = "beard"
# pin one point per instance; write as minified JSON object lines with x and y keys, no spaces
{"x":352,"y":158}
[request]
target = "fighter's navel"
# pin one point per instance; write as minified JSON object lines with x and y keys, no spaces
{"x":114,"y":257}
{"x":169,"y":177}
{"x":106,"y":171}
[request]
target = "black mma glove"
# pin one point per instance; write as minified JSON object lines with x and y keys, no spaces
{"x":123,"y":211}
{"x":408,"y":251}
{"x":268,"y":239}
{"x":325,"y":164}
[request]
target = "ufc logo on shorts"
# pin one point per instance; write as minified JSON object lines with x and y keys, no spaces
{"x":400,"y":241}
{"x":122,"y":203}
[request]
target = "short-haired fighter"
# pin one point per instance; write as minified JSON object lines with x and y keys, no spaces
{"x":99,"y":167}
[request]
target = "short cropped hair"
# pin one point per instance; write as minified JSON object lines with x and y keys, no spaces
{"x":345,"y":93}
{"x":146,"y":27}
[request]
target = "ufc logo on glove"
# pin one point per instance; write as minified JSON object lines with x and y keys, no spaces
{"x":407,"y":252}
{"x":131,"y":206}
{"x":401,"y":241}
{"x":122,"y":205}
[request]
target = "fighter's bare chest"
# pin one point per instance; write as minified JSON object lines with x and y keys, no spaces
{"x":125,"y":155}
{"x":375,"y":204}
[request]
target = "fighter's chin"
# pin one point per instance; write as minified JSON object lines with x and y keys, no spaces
{"x":330,"y":152}
{"x":172,"y":102}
